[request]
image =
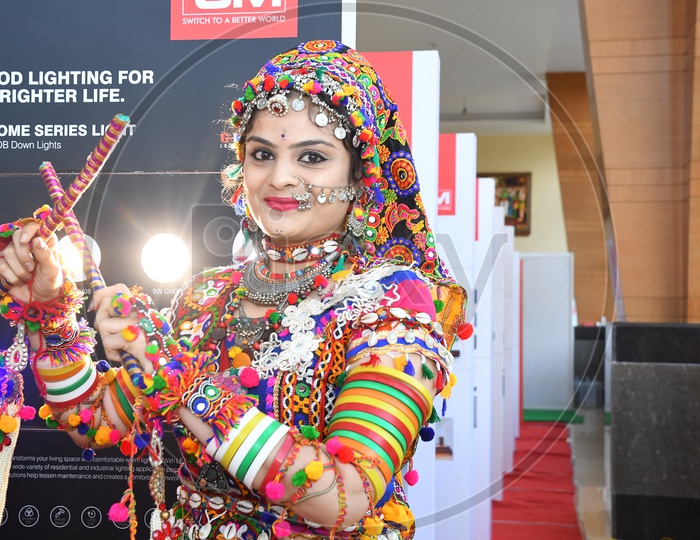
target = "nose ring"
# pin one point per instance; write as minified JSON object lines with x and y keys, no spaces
{"x":304,"y":199}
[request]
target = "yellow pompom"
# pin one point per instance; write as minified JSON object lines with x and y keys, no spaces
{"x":234,"y":351}
{"x":241,"y":360}
{"x":373,"y":526}
{"x":7,"y":423}
{"x":190,"y":446}
{"x":44,"y":411}
{"x":398,"y":514}
{"x":102,"y":435}
{"x":109,"y":376}
{"x":314,"y":470}
{"x":73,"y":420}
{"x":453,"y":379}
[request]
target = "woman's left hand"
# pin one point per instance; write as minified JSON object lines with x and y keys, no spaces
{"x":111,"y":327}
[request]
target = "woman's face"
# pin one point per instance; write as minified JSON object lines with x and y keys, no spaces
{"x":281,"y":149}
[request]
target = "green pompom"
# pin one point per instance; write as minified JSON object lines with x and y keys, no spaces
{"x":52,"y":422}
{"x":309,"y":432}
{"x":434,"y":417}
{"x":159,"y":382}
{"x":439,"y":305}
{"x":152,"y":348}
{"x":299,"y":478}
{"x":91,"y":433}
{"x":274,"y":317}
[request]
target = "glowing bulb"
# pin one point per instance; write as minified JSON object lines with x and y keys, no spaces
{"x":73,"y":259}
{"x":165,"y":258}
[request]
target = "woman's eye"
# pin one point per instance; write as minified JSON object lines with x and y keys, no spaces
{"x":312,"y":157}
{"x":261,"y":154}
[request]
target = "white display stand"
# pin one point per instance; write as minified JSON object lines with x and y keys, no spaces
{"x":511,"y":349}
{"x":497,"y":350}
{"x":548,"y":333}
{"x":455,"y":241}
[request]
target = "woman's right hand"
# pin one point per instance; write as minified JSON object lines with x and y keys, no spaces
{"x":110,"y":325}
{"x":31,"y":265}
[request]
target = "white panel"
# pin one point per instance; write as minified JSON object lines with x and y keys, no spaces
{"x":510,"y":371}
{"x":348,"y":29}
{"x":481,"y":341}
{"x":455,"y":238}
{"x":497,"y":372}
{"x":517,"y":342}
{"x":425,"y":130}
{"x":425,"y":133}
{"x":548,"y":343}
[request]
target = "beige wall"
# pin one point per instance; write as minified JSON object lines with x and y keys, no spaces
{"x":534,"y":154}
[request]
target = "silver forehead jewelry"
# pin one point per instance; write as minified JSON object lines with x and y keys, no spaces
{"x":343,"y":194}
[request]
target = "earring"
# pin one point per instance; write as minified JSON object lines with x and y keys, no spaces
{"x":356,"y":221}
{"x":304,"y":199}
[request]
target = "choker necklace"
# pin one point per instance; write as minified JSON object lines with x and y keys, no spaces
{"x":302,"y":252}
{"x":266,"y":288}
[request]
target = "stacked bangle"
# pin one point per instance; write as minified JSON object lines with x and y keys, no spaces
{"x":68,"y":385}
{"x":378,"y":414}
{"x":248,"y":445}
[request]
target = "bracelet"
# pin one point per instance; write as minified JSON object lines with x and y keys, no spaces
{"x":49,"y":317}
{"x":248,"y":445}
{"x":277,"y":462}
{"x":308,"y":496}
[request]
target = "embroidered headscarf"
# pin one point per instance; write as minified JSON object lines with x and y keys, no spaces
{"x":348,"y":92}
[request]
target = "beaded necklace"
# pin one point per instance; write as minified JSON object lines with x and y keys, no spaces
{"x":303,"y":252}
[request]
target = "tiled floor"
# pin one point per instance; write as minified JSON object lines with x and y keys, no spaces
{"x":588,"y":443}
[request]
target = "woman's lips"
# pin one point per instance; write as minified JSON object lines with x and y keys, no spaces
{"x":282,"y":204}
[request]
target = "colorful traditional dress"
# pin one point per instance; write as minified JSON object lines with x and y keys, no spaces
{"x":301,"y":364}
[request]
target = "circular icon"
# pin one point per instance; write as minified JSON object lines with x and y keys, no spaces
{"x":3,"y":520}
{"x":60,"y":516}
{"x":91,"y":517}
{"x":29,"y":516}
{"x":147,"y":517}
{"x":122,"y":524}
{"x":218,"y":235}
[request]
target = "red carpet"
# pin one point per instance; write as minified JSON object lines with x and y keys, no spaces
{"x":538,"y":497}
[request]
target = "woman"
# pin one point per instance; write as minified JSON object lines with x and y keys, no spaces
{"x":298,"y":379}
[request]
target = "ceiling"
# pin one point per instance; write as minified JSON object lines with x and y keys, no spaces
{"x":494,"y":55}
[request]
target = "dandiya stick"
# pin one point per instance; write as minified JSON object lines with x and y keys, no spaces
{"x":72,"y":227}
{"x":90,"y":171}
{"x":77,"y":237}
{"x":92,"y":168}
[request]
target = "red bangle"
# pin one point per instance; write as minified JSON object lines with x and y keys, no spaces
{"x":277,"y":462}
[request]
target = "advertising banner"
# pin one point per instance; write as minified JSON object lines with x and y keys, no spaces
{"x":67,"y":68}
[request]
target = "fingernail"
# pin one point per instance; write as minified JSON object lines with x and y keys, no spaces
{"x":29,"y":266}
{"x":23,"y":239}
{"x":91,"y":305}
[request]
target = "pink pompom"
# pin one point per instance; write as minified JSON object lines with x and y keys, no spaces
{"x":333,"y":445}
{"x":118,"y":513}
{"x":27,"y":413}
{"x":249,"y":377}
{"x":86,"y":415}
{"x":411,"y":477}
{"x":281,"y":529}
{"x":114,"y":436}
{"x":274,"y":491}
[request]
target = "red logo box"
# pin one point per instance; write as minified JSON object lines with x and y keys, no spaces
{"x":228,"y":19}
